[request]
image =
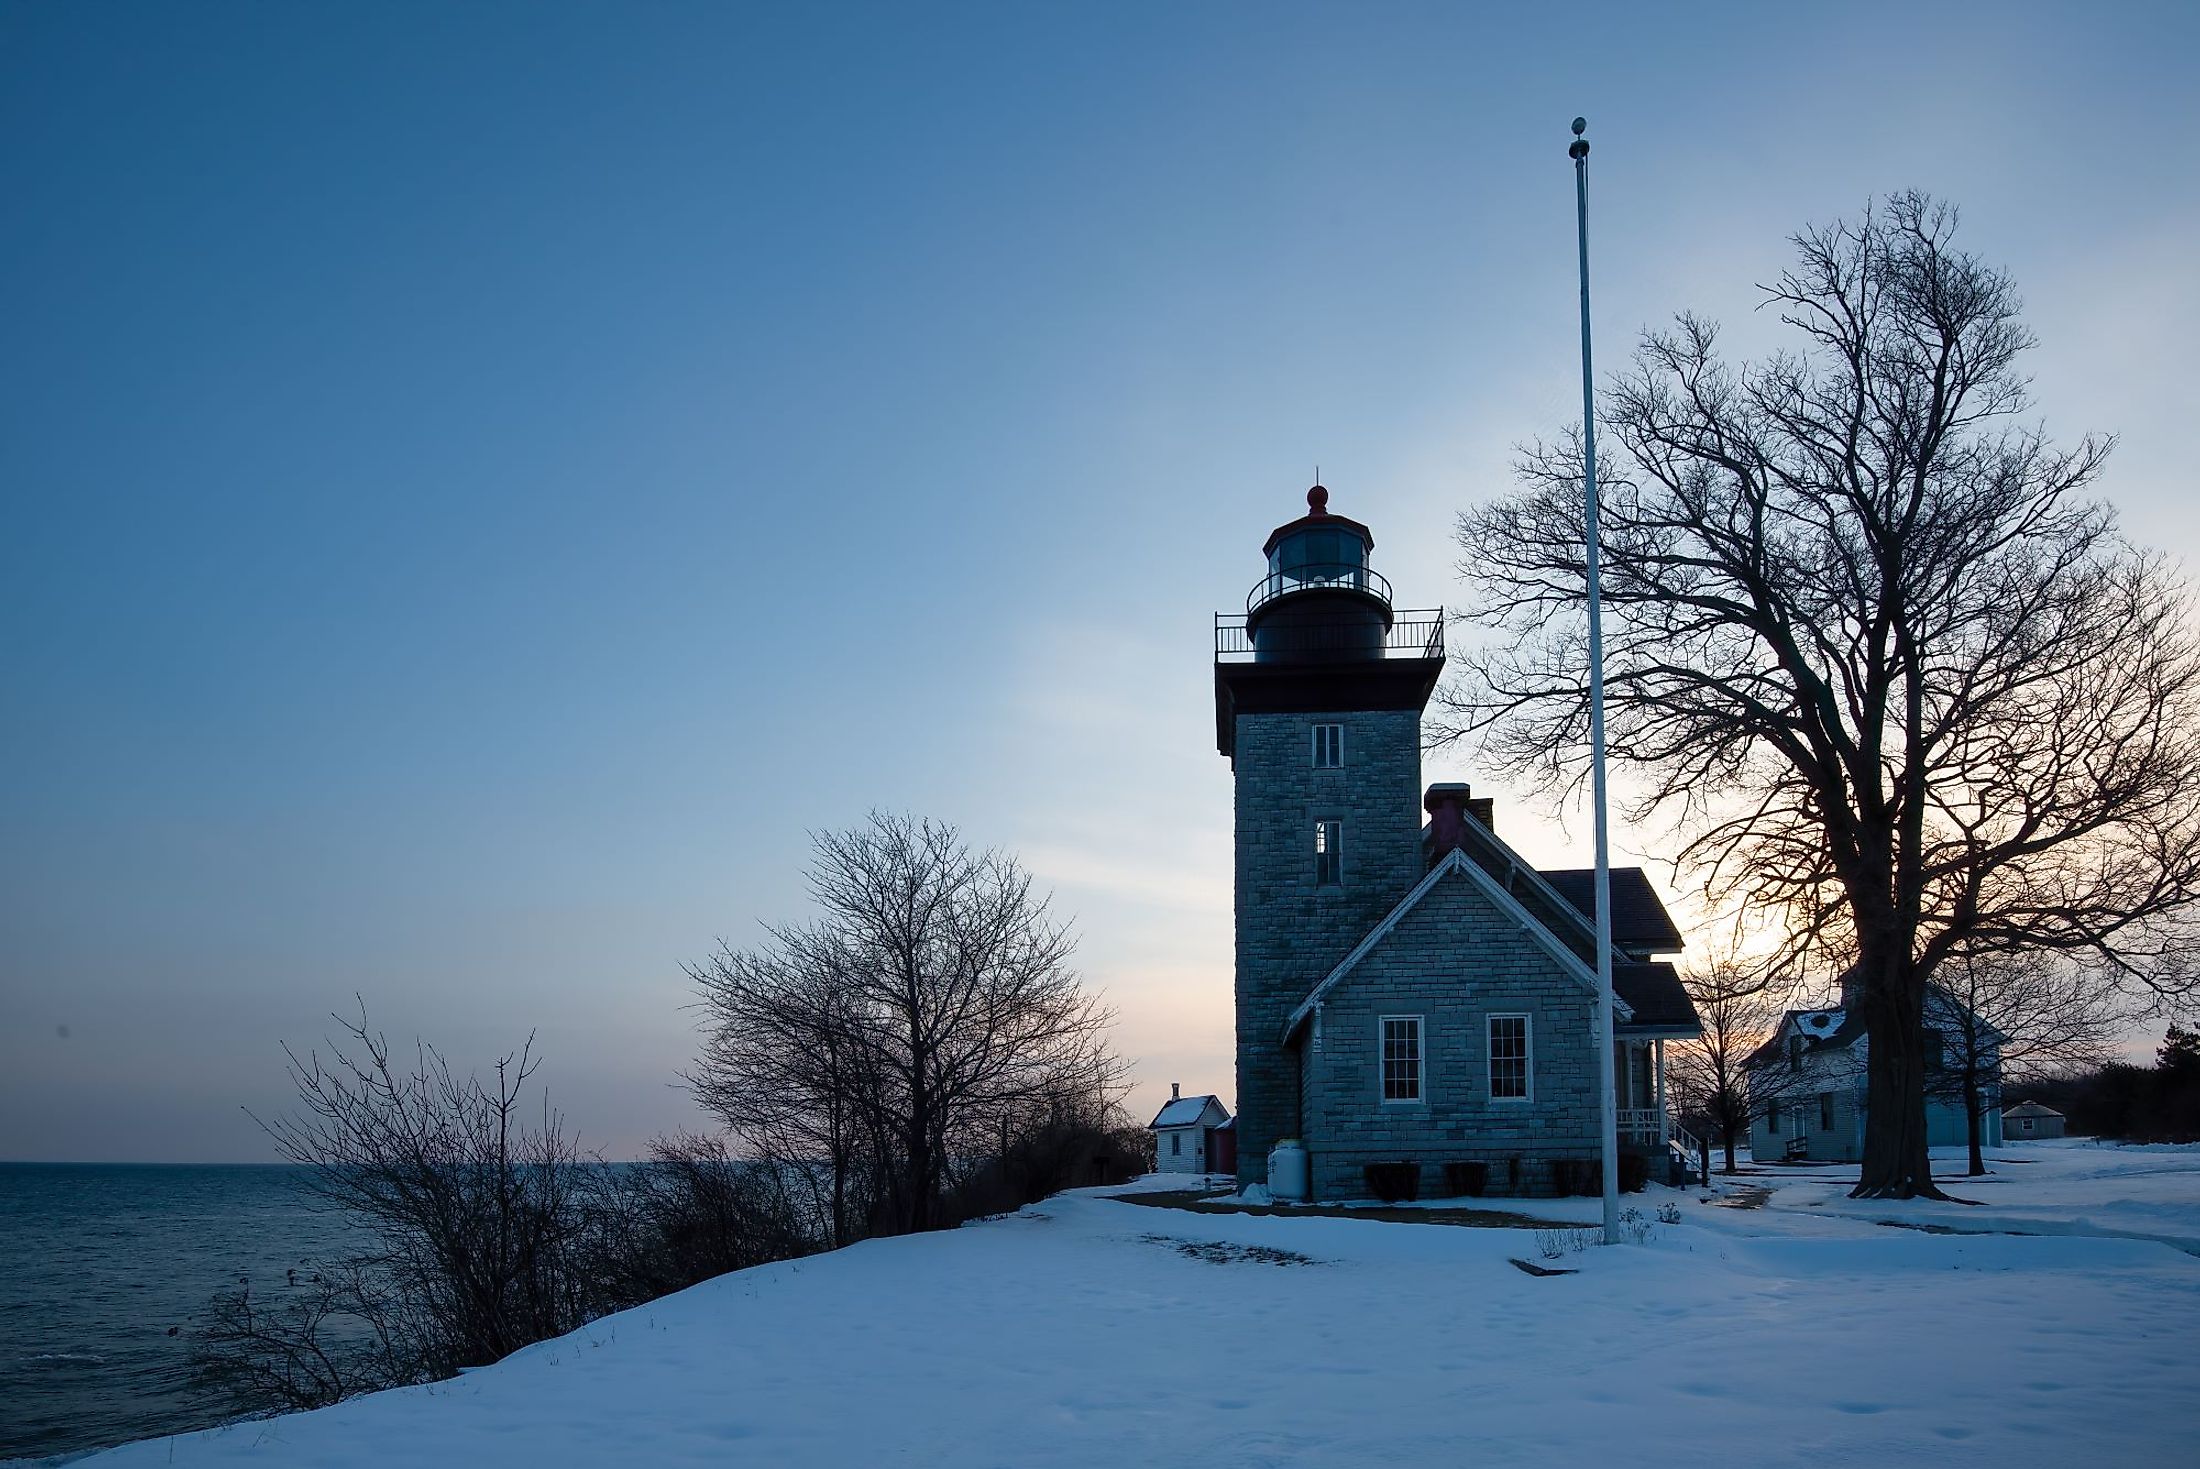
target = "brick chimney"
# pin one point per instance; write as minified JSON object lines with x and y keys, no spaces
{"x":1450,"y":805}
{"x":1176,"y":1090}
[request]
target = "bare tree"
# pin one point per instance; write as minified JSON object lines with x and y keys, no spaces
{"x":1740,"y":1010}
{"x":888,"y":1038}
{"x":785,"y":1067}
{"x":1870,"y":648}
{"x":2024,"y":1014}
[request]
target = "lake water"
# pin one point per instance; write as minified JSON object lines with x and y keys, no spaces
{"x":105,"y":1272}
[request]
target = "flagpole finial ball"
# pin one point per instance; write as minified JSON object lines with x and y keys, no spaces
{"x":1581,"y":125}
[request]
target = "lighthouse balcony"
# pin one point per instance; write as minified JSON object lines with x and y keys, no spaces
{"x":1340,"y":576}
{"x":1250,"y":637}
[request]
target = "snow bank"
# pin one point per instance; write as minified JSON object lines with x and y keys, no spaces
{"x":1093,"y":1332}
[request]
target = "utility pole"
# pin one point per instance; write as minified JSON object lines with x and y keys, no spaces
{"x":1607,"y":1101}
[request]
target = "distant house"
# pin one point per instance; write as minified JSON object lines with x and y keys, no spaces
{"x":1806,"y":1084}
{"x":2030,"y":1120}
{"x":1184,"y":1133}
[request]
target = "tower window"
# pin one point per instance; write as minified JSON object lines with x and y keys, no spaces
{"x":1510,"y":1058}
{"x":1329,"y":852}
{"x":1328,"y":746}
{"x":1401,"y":1058}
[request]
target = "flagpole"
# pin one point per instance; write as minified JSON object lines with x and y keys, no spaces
{"x":1607,"y":1101}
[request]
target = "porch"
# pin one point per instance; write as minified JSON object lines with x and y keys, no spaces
{"x":1638,"y":1074}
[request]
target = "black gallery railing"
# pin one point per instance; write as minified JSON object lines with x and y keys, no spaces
{"x":1315,"y":577}
{"x":1413,"y":633}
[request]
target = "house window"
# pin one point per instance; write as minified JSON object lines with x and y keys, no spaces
{"x":1825,"y":1111}
{"x":1510,"y":1062}
{"x":2025,"y":1123}
{"x":1329,"y":852}
{"x":1772,"y":1119}
{"x":1176,"y":1143}
{"x":1795,"y":1052}
{"x":1401,"y":1058}
{"x":1328,"y":746}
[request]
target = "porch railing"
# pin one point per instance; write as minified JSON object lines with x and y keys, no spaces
{"x":1691,"y":1149}
{"x":1642,"y":1125}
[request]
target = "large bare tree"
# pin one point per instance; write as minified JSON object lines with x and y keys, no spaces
{"x":1893,"y":675}
{"x":895,"y":1037}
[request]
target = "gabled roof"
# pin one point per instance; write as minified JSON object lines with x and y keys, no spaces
{"x":1185,"y":1111}
{"x":1834,"y":1028}
{"x":1457,"y":862}
{"x":1654,"y":995}
{"x":1639,"y":920}
{"x":1640,"y":923}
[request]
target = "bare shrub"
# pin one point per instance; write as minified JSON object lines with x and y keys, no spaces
{"x":481,"y":1231}
{"x":692,"y":1212}
{"x":876,"y":1053}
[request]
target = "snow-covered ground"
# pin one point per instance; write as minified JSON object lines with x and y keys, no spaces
{"x":2069,"y":1186}
{"x":1089,"y":1331}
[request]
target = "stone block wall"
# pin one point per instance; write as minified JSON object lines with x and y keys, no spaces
{"x":1454,"y":961}
{"x":1292,"y":931}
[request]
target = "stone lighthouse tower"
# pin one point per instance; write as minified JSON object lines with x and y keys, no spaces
{"x":1319,"y":688}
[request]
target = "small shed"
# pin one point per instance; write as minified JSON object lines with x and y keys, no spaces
{"x":1184,"y":1133}
{"x":2030,"y":1120}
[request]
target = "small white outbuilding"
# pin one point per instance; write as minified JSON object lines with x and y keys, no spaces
{"x":1183,"y":1132}
{"x":2030,"y":1120}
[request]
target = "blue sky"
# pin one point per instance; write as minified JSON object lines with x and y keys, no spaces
{"x":481,"y":482}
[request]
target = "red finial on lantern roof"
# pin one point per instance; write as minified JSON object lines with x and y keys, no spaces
{"x":1317,"y":500}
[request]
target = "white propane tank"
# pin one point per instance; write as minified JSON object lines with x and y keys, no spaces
{"x":1287,"y":1170}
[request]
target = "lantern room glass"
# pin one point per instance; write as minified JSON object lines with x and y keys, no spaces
{"x":1318,"y":556}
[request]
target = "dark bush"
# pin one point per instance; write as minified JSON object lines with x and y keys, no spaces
{"x":1067,"y":1142}
{"x":1634,"y":1172}
{"x":691,"y":1212}
{"x":1576,"y":1176}
{"x":1394,"y":1182}
{"x":1466,"y":1180}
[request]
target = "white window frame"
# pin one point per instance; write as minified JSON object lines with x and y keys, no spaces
{"x":1527,"y":1058}
{"x":1420,"y":1061}
{"x":1321,"y":852}
{"x":1176,"y":1144}
{"x":1336,"y":750}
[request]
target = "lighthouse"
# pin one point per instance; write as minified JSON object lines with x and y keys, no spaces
{"x":1320,"y":684}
